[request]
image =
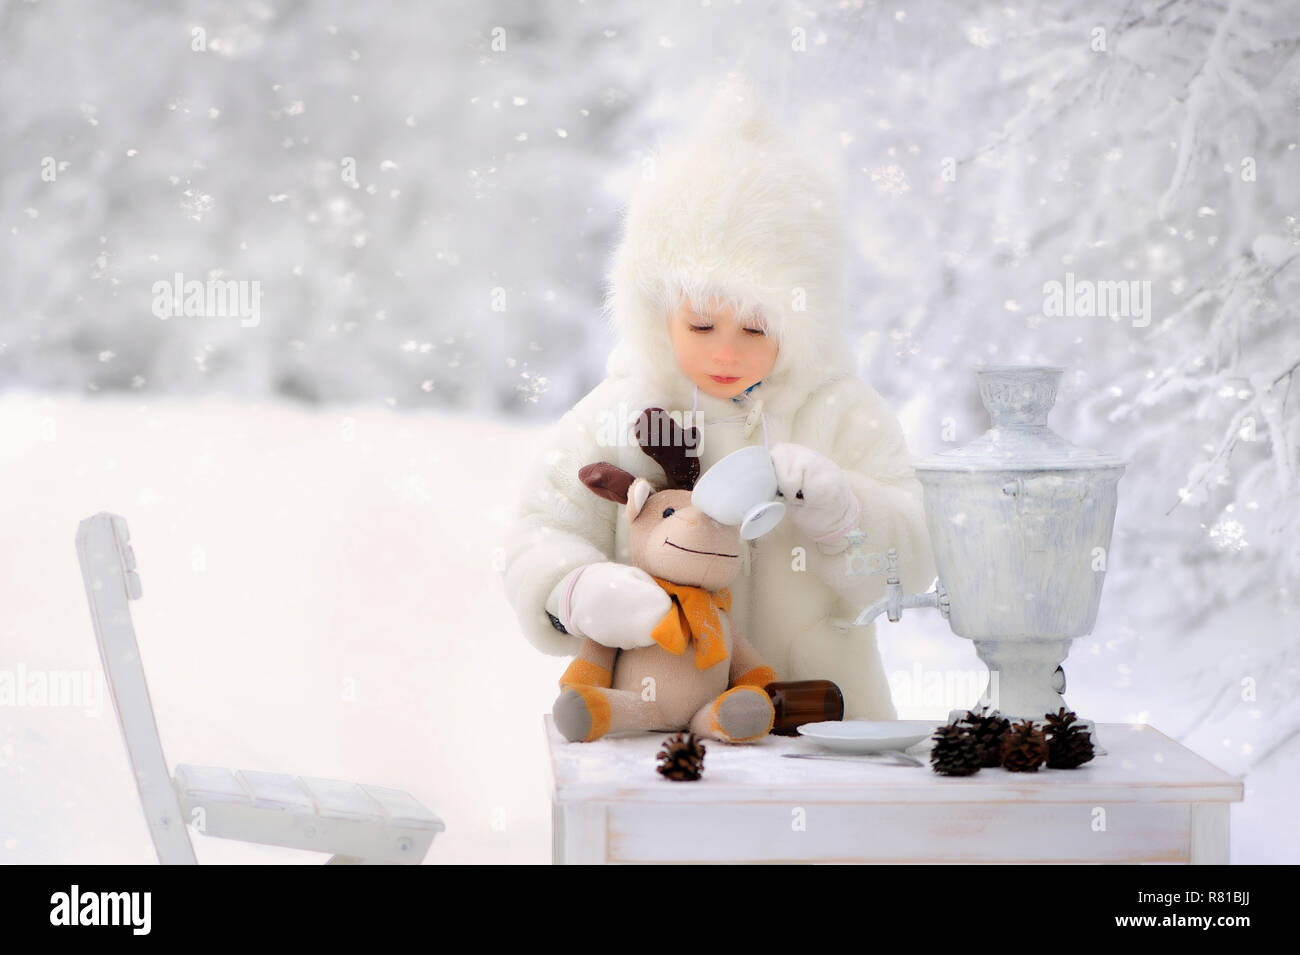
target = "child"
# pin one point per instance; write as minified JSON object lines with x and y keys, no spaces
{"x":725,"y":296}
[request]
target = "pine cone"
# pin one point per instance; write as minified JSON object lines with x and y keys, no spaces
{"x":1023,"y":748}
{"x":1068,"y":746}
{"x":956,"y":752}
{"x":681,"y":758}
{"x":988,"y":726}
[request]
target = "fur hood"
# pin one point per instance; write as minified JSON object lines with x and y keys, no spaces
{"x":736,"y":212}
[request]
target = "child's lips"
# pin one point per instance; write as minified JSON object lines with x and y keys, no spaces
{"x":722,"y":380}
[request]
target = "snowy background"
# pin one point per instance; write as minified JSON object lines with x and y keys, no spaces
{"x":428,"y":195}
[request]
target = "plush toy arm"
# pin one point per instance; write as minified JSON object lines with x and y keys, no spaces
{"x":593,"y":666}
{"x":747,"y":667}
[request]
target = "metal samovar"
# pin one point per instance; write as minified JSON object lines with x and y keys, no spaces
{"x":1020,"y":521}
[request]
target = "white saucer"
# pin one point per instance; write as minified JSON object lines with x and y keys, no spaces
{"x":861,"y":736}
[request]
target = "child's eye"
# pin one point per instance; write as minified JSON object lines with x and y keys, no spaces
{"x":756,"y":331}
{"x":702,"y":328}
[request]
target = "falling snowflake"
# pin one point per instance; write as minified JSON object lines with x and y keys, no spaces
{"x":1229,"y":536}
{"x":196,"y":203}
{"x":891,"y":180}
{"x":533,"y":386}
{"x":413,"y":486}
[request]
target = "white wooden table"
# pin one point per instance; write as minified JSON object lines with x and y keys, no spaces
{"x":1149,"y":799}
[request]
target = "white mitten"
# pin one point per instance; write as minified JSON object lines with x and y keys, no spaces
{"x":816,"y":494}
{"x":617,"y":605}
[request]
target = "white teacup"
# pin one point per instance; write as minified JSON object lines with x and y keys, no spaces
{"x":740,"y":489}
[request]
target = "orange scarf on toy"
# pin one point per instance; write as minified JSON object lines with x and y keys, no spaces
{"x":693,"y":618}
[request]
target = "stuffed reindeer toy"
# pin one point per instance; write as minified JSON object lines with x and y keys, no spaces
{"x":699,"y":674}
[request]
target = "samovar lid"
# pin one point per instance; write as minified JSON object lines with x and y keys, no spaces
{"x":1018,"y":398}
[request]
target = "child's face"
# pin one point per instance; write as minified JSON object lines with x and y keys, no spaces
{"x":711,"y":347}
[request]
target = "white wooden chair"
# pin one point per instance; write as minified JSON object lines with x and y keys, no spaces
{"x":356,"y":823}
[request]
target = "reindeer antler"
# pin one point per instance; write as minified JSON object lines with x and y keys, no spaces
{"x":666,"y":442}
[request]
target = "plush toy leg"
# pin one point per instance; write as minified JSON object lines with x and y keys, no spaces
{"x":741,"y":715}
{"x":593,"y":665}
{"x":586,"y":713}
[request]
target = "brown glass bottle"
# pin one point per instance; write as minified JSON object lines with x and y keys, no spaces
{"x":804,"y":701}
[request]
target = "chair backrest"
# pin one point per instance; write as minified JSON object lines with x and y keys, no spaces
{"x":109,"y":571}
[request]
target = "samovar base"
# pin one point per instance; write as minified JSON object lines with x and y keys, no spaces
{"x":1023,"y":680}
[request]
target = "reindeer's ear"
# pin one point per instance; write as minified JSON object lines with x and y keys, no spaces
{"x":637,"y":495}
{"x":608,"y":480}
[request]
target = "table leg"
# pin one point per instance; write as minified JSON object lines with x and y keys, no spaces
{"x":578,"y":834}
{"x":1209,"y":834}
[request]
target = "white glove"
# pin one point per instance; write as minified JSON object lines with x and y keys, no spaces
{"x":816,"y":494}
{"x":617,"y":605}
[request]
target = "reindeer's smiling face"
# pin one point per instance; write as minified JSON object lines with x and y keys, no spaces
{"x":673,"y":539}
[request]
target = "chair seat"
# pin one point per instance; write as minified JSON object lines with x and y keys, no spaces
{"x":351,"y":820}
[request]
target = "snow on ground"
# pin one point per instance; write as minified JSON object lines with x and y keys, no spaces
{"x":289,"y":560}
{"x":321,"y":598}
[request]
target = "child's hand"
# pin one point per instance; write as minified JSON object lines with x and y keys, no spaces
{"x":815,"y":492}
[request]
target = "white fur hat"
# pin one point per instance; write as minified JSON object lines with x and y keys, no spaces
{"x":735,"y":213}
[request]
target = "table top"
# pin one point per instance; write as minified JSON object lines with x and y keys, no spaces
{"x":1141,"y":764}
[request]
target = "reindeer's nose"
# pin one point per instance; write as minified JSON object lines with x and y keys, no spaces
{"x":698,"y":517}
